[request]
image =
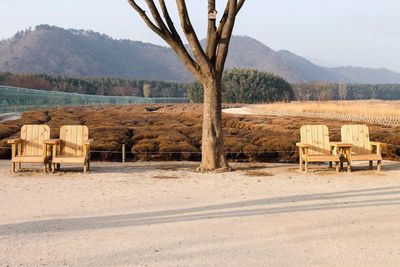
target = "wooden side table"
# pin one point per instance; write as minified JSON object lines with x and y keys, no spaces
{"x":344,"y":150}
{"x":53,"y":143}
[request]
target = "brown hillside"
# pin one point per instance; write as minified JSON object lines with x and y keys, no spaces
{"x":79,"y":53}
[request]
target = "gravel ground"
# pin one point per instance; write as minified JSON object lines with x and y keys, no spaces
{"x":166,"y":214}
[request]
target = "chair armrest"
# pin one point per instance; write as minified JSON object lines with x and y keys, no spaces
{"x":333,"y":145}
{"x":302,"y":145}
{"x":377,"y":145}
{"x":340,"y":145}
{"x":337,"y":146}
{"x":88,"y":142}
{"x":14,"y":141}
{"x":52,"y":142}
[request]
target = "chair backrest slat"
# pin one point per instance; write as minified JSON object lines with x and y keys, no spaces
{"x":33,"y":137}
{"x":72,"y":137}
{"x":317,"y":136}
{"x":358,"y":136}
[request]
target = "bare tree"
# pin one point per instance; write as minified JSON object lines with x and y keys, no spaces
{"x":342,"y":91}
{"x":147,"y":90}
{"x":207,"y":64}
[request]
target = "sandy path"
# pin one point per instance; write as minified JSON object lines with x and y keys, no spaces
{"x":9,"y":117}
{"x":238,"y":111}
{"x":132,"y":215}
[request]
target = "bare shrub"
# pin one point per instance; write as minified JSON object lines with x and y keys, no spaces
{"x":145,"y":149}
{"x":157,"y":136}
{"x":178,"y":151}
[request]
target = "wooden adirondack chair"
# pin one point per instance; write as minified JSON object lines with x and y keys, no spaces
{"x":315,"y":146}
{"x":73,"y":147}
{"x":30,"y":147}
{"x":363,"y":149}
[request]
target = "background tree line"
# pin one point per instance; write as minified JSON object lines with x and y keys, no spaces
{"x":239,"y":86}
{"x":95,"y":86}
{"x":318,"y":91}
{"x":247,"y":86}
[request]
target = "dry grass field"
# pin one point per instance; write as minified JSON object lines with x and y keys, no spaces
{"x":371,"y":111}
{"x":173,"y":132}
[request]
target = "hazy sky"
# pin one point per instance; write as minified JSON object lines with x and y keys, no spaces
{"x":343,"y":32}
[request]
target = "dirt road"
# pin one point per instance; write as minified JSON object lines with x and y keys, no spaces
{"x":165,"y":214}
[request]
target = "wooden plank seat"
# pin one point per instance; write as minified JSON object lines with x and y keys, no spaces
{"x":69,"y":159}
{"x":366,"y":157}
{"x":73,"y":147}
{"x":322,"y":158}
{"x":363,"y":148}
{"x":30,"y":159}
{"x":30,"y":147}
{"x":315,"y":146}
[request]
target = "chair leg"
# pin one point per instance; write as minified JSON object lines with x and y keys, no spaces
{"x":20,"y":166}
{"x":371,"y":164}
{"x":379,"y":166}
{"x":85,"y":168}
{"x":348,"y":166}
{"x":53,"y":168}
{"x":337,"y":167}
{"x":330,"y":165}
{"x":306,"y":166}
{"x":13,"y":167}
{"x":301,"y":164}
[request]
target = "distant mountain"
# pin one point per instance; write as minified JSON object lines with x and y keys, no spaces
{"x":56,"y":51}
{"x":366,"y":75}
{"x":322,"y":63}
{"x":246,"y":52}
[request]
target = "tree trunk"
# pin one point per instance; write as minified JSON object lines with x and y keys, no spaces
{"x":213,"y":155}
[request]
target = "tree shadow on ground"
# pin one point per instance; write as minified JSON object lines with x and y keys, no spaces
{"x":392,"y":166}
{"x":376,"y":197}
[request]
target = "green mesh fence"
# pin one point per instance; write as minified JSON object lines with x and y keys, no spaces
{"x":13,"y":99}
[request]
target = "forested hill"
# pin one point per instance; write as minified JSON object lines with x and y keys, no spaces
{"x":246,"y":52}
{"x":78,"y":53}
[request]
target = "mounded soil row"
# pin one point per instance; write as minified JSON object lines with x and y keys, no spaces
{"x":173,"y":132}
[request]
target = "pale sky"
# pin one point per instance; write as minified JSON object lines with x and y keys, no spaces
{"x":343,"y":32}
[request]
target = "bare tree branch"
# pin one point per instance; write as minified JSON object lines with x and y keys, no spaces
{"x":191,"y":36}
{"x":212,"y":37}
{"x":156,"y":15}
{"x":225,"y":35}
{"x":207,"y":61}
{"x":240,"y":5}
{"x":145,"y":18}
{"x":170,"y":36}
{"x":168,"y":19}
{"x":225,"y":15}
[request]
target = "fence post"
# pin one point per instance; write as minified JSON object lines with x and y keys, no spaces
{"x":123,"y":153}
